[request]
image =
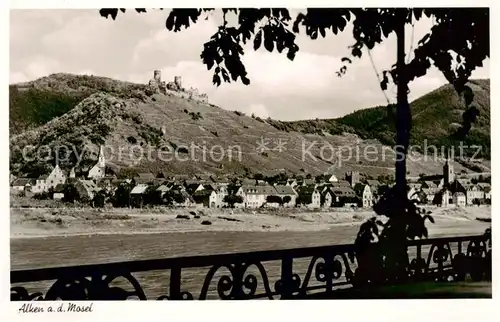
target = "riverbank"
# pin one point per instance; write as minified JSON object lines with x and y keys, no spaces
{"x":48,"y":222}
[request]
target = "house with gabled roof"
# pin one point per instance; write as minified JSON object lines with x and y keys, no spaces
{"x":364,"y":193}
{"x":327,"y":197}
{"x":23,"y":184}
{"x":163,"y":189}
{"x":40,"y":184}
{"x":193,"y":185}
{"x":55,"y":177}
{"x":255,"y":196}
{"x":309,"y":196}
{"x":221,"y":191}
{"x":188,"y":199}
{"x":428,"y":194}
{"x":137,"y":194}
{"x":443,"y":197}
{"x":332,"y":178}
{"x":286,"y":191}
{"x":486,"y":187}
{"x":344,"y":196}
{"x":206,"y":198}
{"x":474,"y":192}
{"x":459,"y":199}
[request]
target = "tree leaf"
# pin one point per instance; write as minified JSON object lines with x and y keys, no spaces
{"x":216,"y":80}
{"x":245,"y":80}
{"x":291,"y":54}
{"x":268,"y":41}
{"x":113,"y":12}
{"x":345,"y":59}
{"x":322,"y":32}
{"x":258,"y":40}
{"x":169,"y":24}
{"x":356,"y":52}
{"x":210,"y":64}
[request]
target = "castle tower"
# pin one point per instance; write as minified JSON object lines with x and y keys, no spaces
{"x":157,"y":76}
{"x":178,"y":81}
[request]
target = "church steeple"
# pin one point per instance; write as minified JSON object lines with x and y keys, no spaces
{"x":102,"y":161}
{"x":448,"y":171}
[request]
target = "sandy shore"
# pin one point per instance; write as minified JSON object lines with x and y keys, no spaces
{"x":45,"y":222}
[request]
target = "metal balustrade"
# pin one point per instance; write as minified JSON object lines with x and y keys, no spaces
{"x":277,"y":274}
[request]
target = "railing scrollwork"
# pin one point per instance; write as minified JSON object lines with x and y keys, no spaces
{"x":298,"y":273}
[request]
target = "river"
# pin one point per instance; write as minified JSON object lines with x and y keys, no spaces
{"x":93,"y":249}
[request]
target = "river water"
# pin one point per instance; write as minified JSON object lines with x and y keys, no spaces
{"x":76,"y":250}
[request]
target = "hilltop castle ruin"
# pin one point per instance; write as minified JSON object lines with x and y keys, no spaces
{"x":175,"y":88}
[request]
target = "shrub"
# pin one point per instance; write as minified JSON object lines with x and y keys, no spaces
{"x":196,"y":116}
{"x":131,"y":140}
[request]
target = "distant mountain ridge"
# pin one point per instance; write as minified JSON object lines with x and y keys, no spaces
{"x":88,"y":111}
{"x":436,"y":116}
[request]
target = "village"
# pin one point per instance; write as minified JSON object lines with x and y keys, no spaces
{"x":96,"y":188}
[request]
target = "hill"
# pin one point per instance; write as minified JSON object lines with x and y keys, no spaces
{"x":155,"y":132}
{"x":436,"y":116}
{"x":36,"y":102}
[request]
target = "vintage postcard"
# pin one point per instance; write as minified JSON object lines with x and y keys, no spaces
{"x":248,"y":153}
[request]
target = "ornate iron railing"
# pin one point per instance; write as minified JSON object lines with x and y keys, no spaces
{"x":276,"y":274}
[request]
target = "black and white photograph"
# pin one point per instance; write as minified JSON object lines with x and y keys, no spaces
{"x":329,"y":153}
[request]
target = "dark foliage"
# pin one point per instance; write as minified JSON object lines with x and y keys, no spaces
{"x":99,"y":199}
{"x":70,"y":193}
{"x":232,"y":199}
{"x":122,"y":195}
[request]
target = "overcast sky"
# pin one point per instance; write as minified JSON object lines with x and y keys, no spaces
{"x":131,"y":47}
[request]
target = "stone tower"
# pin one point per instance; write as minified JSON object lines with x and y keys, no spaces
{"x":157,"y":76}
{"x":352,"y":177}
{"x":178,"y":81}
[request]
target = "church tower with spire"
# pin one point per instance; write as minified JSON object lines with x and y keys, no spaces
{"x":101,"y":161}
{"x":448,"y":171}
{"x":99,"y":169}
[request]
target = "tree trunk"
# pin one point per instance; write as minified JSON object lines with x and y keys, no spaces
{"x":397,"y":255}
{"x":403,"y":114}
